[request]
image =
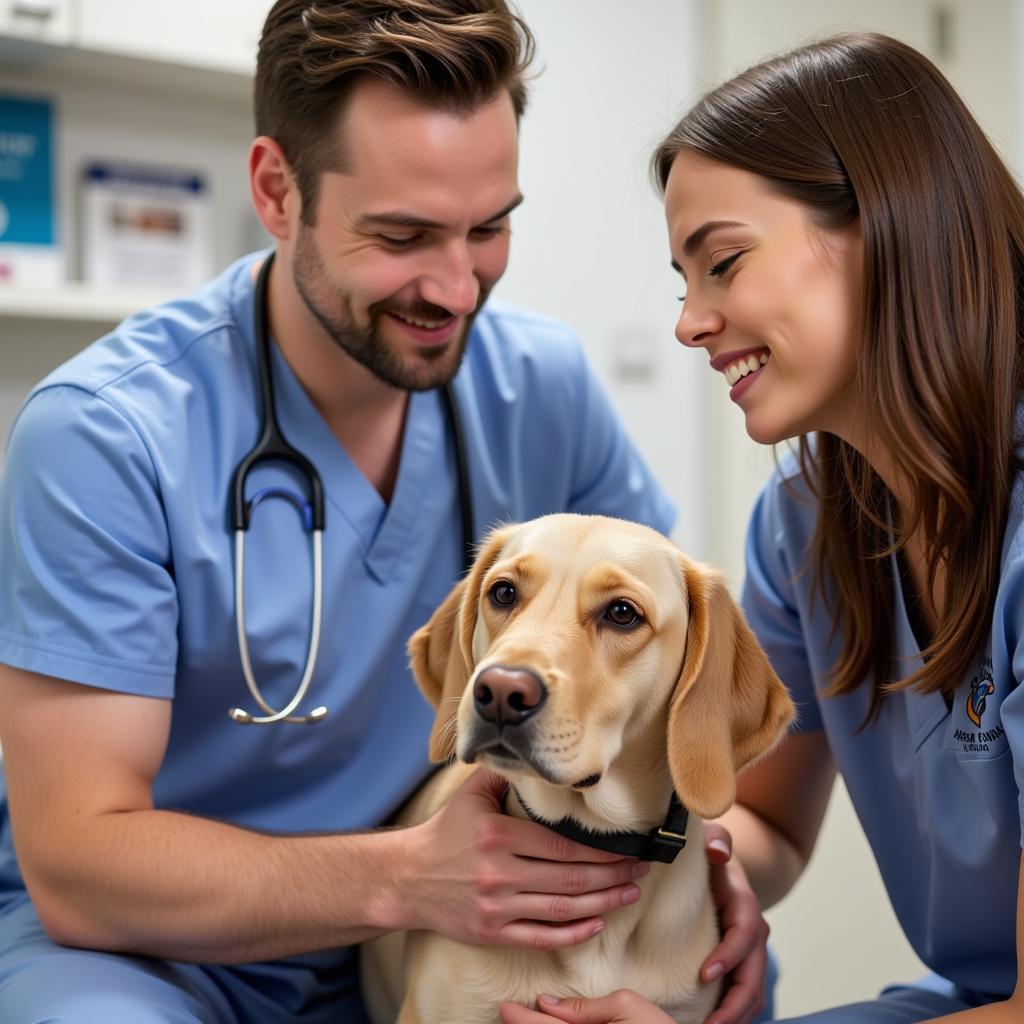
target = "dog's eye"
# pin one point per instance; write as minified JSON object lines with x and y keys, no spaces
{"x":622,"y":613}
{"x":503,"y":594}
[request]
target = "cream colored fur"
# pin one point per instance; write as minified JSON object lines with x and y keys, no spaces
{"x":683,"y":700}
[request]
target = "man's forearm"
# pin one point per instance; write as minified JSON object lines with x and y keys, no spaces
{"x":169,"y":885}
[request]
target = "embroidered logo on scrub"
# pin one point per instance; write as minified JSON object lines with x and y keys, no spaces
{"x":982,"y":688}
{"x":980,"y":703}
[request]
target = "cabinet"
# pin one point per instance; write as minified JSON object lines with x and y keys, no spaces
{"x":149,"y":81}
{"x":130,"y":80}
{"x":48,"y":21}
{"x":222,"y":35}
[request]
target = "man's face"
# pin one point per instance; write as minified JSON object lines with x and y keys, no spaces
{"x":410,"y":238}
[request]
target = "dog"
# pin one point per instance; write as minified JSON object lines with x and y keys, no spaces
{"x":616,"y":686}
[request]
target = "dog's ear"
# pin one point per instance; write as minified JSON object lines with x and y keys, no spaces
{"x":728,"y":706}
{"x":440,"y":670}
{"x":441,"y":652}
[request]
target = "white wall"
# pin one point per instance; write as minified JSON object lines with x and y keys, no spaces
{"x":590,"y":244}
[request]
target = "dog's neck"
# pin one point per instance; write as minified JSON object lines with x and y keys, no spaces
{"x":661,"y":843}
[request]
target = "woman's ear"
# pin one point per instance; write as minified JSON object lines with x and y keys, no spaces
{"x":728,"y":707}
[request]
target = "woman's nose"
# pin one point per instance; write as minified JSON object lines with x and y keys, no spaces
{"x":697,"y":326}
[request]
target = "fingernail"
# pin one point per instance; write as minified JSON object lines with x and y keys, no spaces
{"x":631,"y":894}
{"x":641,"y":868}
{"x":549,"y":1000}
{"x":713,"y":971}
{"x":720,"y":845}
{"x":598,"y":928}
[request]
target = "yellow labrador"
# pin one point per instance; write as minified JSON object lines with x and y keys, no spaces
{"x":615,"y":684}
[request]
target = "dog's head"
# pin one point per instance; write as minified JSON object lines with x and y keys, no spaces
{"x":592,"y":663}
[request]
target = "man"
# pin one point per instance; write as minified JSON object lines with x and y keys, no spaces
{"x":173,"y":864}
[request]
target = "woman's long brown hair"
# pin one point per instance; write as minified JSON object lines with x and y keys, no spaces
{"x":862,"y":126}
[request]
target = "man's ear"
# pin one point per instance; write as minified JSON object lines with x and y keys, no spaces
{"x":728,"y":707}
{"x":275,"y":193}
{"x":441,"y":652}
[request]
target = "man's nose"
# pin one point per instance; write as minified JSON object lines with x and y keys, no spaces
{"x":451,"y":280}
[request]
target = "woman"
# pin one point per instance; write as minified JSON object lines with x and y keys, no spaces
{"x":853,"y":252}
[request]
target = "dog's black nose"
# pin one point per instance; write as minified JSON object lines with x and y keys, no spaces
{"x":508,"y":696}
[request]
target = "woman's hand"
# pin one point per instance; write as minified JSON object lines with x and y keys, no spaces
{"x":743,"y":950}
{"x":622,"y":1007}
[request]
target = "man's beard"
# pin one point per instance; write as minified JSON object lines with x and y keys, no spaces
{"x":431,"y":368}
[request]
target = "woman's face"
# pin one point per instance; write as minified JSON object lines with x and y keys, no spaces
{"x":773,"y":298}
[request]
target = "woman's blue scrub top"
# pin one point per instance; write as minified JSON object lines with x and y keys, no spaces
{"x":117,"y":561}
{"x":937,"y":789}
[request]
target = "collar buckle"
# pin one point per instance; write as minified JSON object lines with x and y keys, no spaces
{"x":664,"y":835}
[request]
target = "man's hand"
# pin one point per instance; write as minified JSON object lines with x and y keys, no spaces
{"x":622,"y":1007}
{"x":480,"y":876}
{"x":744,"y":946}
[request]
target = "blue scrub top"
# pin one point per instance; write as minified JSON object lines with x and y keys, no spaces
{"x":937,"y":788}
{"x":117,"y":558}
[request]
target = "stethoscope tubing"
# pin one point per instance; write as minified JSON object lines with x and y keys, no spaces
{"x":273,"y":446}
{"x":285,"y":714}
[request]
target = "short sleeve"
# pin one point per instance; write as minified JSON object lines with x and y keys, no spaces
{"x":611,"y":478}
{"x":86,"y":589}
{"x":1008,"y":628}
{"x":769,"y":603}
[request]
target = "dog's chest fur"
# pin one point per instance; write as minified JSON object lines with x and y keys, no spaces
{"x":655,"y":947}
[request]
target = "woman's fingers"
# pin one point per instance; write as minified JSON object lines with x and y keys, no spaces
{"x":515,"y":1013}
{"x":717,"y":843}
{"x":744,"y":999}
{"x":743,"y":925}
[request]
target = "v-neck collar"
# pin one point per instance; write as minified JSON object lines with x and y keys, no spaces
{"x":925,"y":710}
{"x":904,"y":581}
{"x":383,"y":528}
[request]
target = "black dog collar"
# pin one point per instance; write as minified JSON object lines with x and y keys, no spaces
{"x":661,"y":844}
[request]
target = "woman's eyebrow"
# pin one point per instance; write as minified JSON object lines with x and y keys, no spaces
{"x":696,"y":239}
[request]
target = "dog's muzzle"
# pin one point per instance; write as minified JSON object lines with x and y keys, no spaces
{"x":505,"y":701}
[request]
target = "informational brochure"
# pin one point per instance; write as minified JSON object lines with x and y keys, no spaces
{"x":145,"y":225}
{"x":29,"y":250}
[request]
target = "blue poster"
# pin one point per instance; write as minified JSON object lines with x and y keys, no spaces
{"x":26,"y":172}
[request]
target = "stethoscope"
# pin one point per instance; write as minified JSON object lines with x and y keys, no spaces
{"x":273,"y":447}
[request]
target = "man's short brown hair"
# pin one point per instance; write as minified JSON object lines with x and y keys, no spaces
{"x":451,"y":54}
